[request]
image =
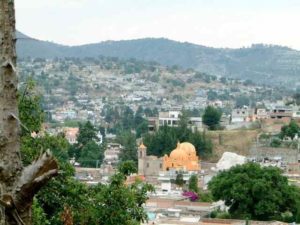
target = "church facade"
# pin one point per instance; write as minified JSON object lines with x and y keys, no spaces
{"x":183,"y":158}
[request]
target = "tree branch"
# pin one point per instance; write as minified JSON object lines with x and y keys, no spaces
{"x":33,"y":178}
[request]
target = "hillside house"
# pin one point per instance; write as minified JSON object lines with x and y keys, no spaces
{"x":279,"y":112}
{"x":244,"y":114}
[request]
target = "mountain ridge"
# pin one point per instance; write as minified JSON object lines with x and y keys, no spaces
{"x":260,"y":63}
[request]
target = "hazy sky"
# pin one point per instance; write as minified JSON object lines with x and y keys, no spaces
{"x":217,"y":23}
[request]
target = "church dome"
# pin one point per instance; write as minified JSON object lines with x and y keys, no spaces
{"x":142,"y":146}
{"x":178,"y":154}
{"x":188,"y":148}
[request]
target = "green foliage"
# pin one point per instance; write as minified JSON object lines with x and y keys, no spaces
{"x":290,"y":130}
{"x":32,"y":147}
{"x":87,"y":151}
{"x":114,"y":203}
{"x":242,"y":101}
{"x":223,"y":215}
{"x":205,"y":196}
{"x":212,"y":117}
{"x":165,"y":140}
{"x":127,"y":167}
{"x":140,"y":124}
{"x":87,"y":133}
{"x":92,"y":154}
{"x":30,"y":112}
{"x":121,"y":204}
{"x":128,"y":141}
{"x":141,"y":129}
{"x":64,"y":190}
{"x":275,"y":143}
{"x":179,"y":180}
{"x":193,"y":183}
{"x":38,"y":214}
{"x":252,"y":191}
{"x":122,"y":118}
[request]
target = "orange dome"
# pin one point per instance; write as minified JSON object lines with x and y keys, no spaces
{"x":188,"y":148}
{"x":142,"y":146}
{"x":178,"y":154}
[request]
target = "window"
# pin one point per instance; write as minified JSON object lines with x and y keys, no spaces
{"x":147,"y":165}
{"x":160,"y":165}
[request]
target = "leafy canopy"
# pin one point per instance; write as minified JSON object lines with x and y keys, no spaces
{"x":290,"y":130}
{"x":193,"y":183}
{"x":252,"y":191}
{"x":114,"y":203}
{"x":212,"y":118}
{"x":165,"y":139}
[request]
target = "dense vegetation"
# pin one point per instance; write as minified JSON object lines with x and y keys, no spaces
{"x":122,"y":118}
{"x":254,"y":192}
{"x":287,"y":138}
{"x":88,"y":151}
{"x":166,"y":138}
{"x":64,"y":200}
{"x":212,"y":117}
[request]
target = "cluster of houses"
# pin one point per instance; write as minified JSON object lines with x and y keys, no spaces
{"x":97,"y":85}
{"x":282,"y":112}
{"x":78,"y":90}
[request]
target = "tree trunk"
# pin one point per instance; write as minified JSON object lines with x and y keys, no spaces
{"x":18,"y":185}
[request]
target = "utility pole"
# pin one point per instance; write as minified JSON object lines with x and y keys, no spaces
{"x":18,"y":185}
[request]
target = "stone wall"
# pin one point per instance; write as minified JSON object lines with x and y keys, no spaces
{"x":288,"y":155}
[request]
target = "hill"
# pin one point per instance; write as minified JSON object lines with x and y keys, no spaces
{"x":261,"y":63}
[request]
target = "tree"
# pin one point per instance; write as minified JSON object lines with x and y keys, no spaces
{"x":91,"y":155}
{"x":142,"y":128}
{"x":118,"y":203}
{"x":38,"y":214}
{"x":87,"y":136}
{"x":127,"y":167}
{"x":87,"y":133}
{"x":183,"y":123}
{"x":30,"y":111}
{"x":255,"y":192}
{"x":290,"y":130}
{"x":242,"y":101}
{"x":128,"y":141}
{"x":212,"y":117}
{"x":179,"y":180}
{"x":193,"y":183}
{"x":18,"y":185}
{"x":212,"y":95}
{"x":165,"y":140}
{"x":275,"y":142}
{"x":297,"y":97}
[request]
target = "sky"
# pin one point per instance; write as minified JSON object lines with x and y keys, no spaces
{"x":214,"y":23}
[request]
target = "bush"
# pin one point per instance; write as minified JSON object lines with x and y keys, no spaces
{"x":275,"y":143}
{"x":205,"y":196}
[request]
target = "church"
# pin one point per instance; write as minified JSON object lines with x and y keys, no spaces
{"x":183,"y":158}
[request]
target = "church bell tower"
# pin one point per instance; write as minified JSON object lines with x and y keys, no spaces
{"x":142,"y":154}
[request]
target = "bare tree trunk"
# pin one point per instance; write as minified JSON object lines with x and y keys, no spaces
{"x":18,"y":185}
